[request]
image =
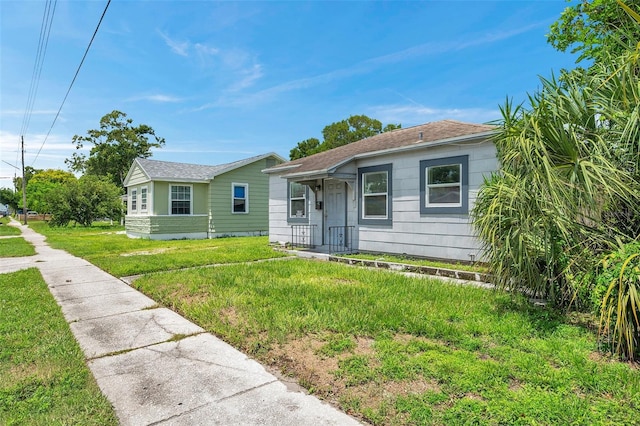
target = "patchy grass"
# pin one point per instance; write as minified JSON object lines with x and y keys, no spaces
{"x":420,"y":262}
{"x":5,"y":229}
{"x":43,"y":376}
{"x":16,"y":247}
{"x":402,"y":351}
{"x":121,"y":256}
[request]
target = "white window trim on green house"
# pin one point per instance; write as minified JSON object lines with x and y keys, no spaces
{"x":235,"y":197}
{"x":134,"y":201}
{"x":144,"y":199}
{"x":368,"y":196}
{"x":177,"y":200}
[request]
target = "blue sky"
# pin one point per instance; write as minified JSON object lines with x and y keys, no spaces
{"x":221,"y":81}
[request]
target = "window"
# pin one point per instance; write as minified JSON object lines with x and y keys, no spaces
{"x":180,"y":199}
{"x":134,"y":200}
{"x":240,"y":197}
{"x":375,"y":195}
{"x":443,"y":185}
{"x":297,"y":202}
{"x":143,"y":199}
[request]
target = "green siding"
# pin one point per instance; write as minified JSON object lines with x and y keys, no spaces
{"x":137,"y":176}
{"x":161,"y":198}
{"x":149,"y":225}
{"x":223,"y":221}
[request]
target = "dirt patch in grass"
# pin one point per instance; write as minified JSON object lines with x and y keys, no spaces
{"x":147,"y":252}
{"x":304,"y":359}
{"x":230,"y":316}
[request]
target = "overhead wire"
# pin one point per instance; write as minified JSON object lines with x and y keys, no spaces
{"x":43,"y":42}
{"x":73,"y":80}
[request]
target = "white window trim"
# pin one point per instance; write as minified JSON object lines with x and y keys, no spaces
{"x":190,"y":199}
{"x":443,"y":185}
{"x":292,"y":216}
{"x":375,"y":194}
{"x":246,"y":197}
{"x":133,"y":203}
{"x":144,"y":208}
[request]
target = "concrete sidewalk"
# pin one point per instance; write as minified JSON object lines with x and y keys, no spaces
{"x":155,"y":366}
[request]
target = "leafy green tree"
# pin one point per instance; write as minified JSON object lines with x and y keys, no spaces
{"x":85,"y":200}
{"x":114,"y":147}
{"x":595,"y":29}
{"x":28,"y":173}
{"x":354,"y":128}
{"x":305,"y":148}
{"x":41,"y":184}
{"x":9,"y":197}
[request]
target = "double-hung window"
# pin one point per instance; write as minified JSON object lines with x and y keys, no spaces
{"x":180,"y":199}
{"x":297,"y":207}
{"x":375,"y":195}
{"x":134,"y":201}
{"x":240,"y":197}
{"x":143,"y":199}
{"x":444,"y":185}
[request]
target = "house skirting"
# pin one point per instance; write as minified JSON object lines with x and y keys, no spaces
{"x":167,"y":227}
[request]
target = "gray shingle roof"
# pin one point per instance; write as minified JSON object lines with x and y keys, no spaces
{"x":167,"y":170}
{"x":431,"y":132}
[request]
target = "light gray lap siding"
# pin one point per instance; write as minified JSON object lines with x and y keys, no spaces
{"x":448,"y":236}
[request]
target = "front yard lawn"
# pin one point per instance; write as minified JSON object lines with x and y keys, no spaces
{"x":108,"y":248}
{"x":395,"y":350}
{"x":387,"y":348}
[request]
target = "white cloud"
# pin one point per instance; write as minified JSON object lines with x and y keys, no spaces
{"x":370,"y":65}
{"x":160,"y":98}
{"x":179,"y":47}
{"x":203,"y":49}
{"x":410,"y":115}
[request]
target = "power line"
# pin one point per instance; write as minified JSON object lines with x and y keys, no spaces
{"x":72,"y":81}
{"x":43,"y":42}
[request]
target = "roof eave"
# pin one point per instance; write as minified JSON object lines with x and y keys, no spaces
{"x":427,"y":144}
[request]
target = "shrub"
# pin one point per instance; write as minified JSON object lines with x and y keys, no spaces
{"x":617,"y":288}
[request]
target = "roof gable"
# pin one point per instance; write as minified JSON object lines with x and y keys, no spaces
{"x":422,"y":135}
{"x":185,"y":172}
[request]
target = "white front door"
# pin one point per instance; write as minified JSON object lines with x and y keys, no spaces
{"x":335,"y":207}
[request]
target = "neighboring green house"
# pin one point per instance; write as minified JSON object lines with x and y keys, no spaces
{"x":167,"y":200}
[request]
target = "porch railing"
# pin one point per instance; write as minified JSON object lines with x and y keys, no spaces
{"x":303,"y":236}
{"x":341,"y":239}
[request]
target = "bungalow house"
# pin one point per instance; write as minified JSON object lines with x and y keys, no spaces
{"x":167,"y":200}
{"x":408,"y":191}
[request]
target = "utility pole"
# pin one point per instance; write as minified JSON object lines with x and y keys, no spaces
{"x":24,"y":187}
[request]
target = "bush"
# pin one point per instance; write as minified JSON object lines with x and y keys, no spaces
{"x":617,"y":292}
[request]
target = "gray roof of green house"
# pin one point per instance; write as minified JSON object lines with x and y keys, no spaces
{"x":437,"y":132}
{"x":168,"y":170}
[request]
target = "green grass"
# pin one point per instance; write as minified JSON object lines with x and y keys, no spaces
{"x":438,"y":353}
{"x":387,"y":348}
{"x":16,"y":247}
{"x":121,"y":256}
{"x":420,"y":262}
{"x":43,"y":377}
{"x":5,"y":229}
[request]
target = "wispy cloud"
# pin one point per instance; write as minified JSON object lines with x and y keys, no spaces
{"x":414,"y":114}
{"x":370,"y":65}
{"x":159,"y":98}
{"x":178,"y":47}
